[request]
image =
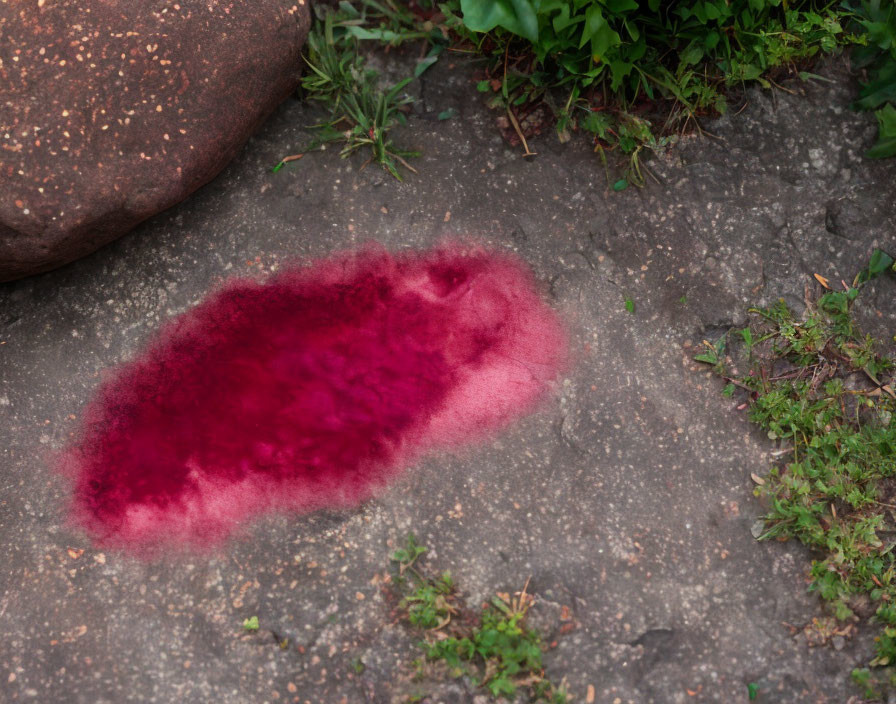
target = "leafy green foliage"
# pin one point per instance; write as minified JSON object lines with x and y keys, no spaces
{"x":407,"y":556}
{"x":496,"y":650}
{"x":429,"y":606}
{"x":505,"y":648}
{"x":879,"y":263}
{"x":632,"y":72}
{"x":714,"y":355}
{"x":877,"y":56}
{"x":251,"y":624}
{"x":516,"y":16}
{"x":886,"y":133}
{"x":826,"y":393}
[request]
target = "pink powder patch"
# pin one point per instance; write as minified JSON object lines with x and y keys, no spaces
{"x":311,"y":391}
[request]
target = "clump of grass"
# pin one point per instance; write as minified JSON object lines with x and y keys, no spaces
{"x":495,"y":648}
{"x":362,"y":114}
{"x":825,"y":393}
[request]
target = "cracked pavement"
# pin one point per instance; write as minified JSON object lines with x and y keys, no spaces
{"x":627,"y":498}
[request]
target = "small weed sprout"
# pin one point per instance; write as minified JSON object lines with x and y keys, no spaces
{"x":495,"y":649}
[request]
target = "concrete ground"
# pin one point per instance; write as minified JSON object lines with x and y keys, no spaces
{"x":626,"y":499}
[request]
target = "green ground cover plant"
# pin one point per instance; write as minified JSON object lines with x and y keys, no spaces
{"x":877,"y":58}
{"x":826,"y":394}
{"x":634,"y":74}
{"x":631,"y":75}
{"x":494,"y":648}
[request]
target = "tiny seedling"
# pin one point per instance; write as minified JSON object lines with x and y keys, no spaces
{"x":406,"y":557}
{"x":714,"y":354}
{"x":752,"y":690}
{"x":251,"y":624}
{"x":876,"y":56}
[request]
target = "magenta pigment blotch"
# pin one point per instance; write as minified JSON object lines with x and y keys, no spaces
{"x":313,"y":390}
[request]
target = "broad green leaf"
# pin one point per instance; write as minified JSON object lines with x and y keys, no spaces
{"x":517,"y":16}
{"x":594,"y":21}
{"x":692,"y":54}
{"x":886,"y":137}
{"x":879,"y":263}
{"x":527,"y":18}
{"x":618,"y":7}
{"x":712,"y":12}
{"x":424,"y":64}
{"x":880,"y":90}
{"x":381,"y":35}
{"x":562,"y":19}
{"x":619,"y":70}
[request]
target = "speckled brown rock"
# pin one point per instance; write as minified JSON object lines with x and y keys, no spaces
{"x":113,"y":110}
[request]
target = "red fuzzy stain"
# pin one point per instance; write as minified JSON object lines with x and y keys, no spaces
{"x":310,"y":391}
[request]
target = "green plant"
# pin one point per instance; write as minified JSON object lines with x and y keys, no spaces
{"x":407,"y":556}
{"x":361,"y":113}
{"x":497,"y":651}
{"x":877,"y":57}
{"x":633,"y":73}
{"x":825,"y":393}
{"x":251,"y":624}
{"x":394,"y":23}
{"x":430,"y":604}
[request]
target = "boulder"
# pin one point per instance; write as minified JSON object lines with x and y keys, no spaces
{"x":113,"y":110}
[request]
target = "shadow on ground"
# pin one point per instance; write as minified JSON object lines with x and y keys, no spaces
{"x":627,"y":499}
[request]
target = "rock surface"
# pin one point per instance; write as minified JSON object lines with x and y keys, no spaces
{"x":628,"y":500}
{"x":113,"y":110}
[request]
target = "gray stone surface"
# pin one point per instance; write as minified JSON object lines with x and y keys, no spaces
{"x":112,"y":111}
{"x":626,"y":499}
